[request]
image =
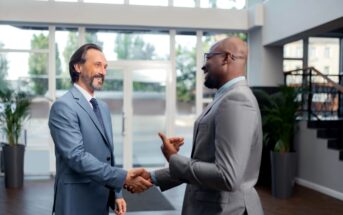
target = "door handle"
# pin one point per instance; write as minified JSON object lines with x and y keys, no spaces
{"x":123,"y":124}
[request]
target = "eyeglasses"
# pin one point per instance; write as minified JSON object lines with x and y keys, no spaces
{"x":208,"y":55}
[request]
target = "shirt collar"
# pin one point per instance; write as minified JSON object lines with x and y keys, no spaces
{"x":87,"y":96}
{"x":227,"y":85}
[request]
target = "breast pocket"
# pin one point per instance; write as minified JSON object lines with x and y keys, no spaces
{"x":202,"y":134}
{"x":203,"y":127}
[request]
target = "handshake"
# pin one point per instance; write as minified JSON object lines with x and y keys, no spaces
{"x":139,"y":180}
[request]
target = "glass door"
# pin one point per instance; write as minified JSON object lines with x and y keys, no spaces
{"x":144,"y":112}
{"x":149,"y":115}
{"x":112,"y":94}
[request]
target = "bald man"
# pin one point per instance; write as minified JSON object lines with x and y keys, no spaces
{"x":227,"y":142}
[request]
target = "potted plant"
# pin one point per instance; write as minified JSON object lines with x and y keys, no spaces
{"x":264,"y":100}
{"x":280,"y":120}
{"x":13,"y":114}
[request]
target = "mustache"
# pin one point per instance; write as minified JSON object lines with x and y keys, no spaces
{"x":98,"y":76}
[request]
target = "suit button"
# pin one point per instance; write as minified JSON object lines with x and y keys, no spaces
{"x":108,"y":158}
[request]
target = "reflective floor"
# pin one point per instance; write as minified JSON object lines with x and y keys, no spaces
{"x":36,"y":199}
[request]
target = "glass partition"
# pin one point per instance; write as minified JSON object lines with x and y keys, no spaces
{"x":149,"y":2}
{"x":131,"y":45}
{"x":223,"y":4}
{"x":67,"y":42}
{"x":324,"y":55}
{"x":112,"y":95}
{"x":149,"y":116}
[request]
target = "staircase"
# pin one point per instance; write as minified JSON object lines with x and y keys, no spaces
{"x":321,"y":97}
{"x":332,"y":131}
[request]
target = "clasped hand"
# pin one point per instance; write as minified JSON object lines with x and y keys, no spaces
{"x":137,"y":180}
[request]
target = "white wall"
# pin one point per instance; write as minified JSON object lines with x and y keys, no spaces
{"x":283,"y":19}
{"x":264,"y":63}
{"x":121,"y":15}
{"x":318,"y":167}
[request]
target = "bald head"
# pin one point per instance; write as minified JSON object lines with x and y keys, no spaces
{"x":238,"y":53}
{"x":236,"y":46}
{"x":226,"y":61}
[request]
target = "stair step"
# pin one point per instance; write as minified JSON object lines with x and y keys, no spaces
{"x":325,"y":124}
{"x":332,"y":133}
{"x":335,"y":144}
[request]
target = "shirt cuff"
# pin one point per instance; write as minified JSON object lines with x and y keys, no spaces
{"x":118,"y":193}
{"x":153,"y":177}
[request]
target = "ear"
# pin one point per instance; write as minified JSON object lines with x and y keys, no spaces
{"x":77,"y":68}
{"x":226,"y":60}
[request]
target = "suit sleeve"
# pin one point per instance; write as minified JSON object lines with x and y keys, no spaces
{"x":65,"y":131}
{"x":235,"y":127}
{"x":164,"y":180}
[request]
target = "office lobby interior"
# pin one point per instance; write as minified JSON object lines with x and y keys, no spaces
{"x":154,"y":83}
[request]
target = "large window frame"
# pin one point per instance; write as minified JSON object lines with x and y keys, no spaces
{"x":172,"y":111}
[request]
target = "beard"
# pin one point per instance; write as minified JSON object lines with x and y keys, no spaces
{"x":97,"y":78}
{"x":211,"y":82}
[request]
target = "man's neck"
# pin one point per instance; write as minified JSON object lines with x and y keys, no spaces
{"x":85,"y":87}
{"x":227,"y":79}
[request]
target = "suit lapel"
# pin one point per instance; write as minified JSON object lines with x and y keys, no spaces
{"x":207,"y":109}
{"x":107,"y":123}
{"x":196,"y":124}
{"x":80,"y":100}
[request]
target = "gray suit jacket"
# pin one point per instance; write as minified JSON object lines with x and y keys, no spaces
{"x":85,"y":174}
{"x":225,"y":160}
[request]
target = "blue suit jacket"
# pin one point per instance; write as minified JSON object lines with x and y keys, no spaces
{"x":85,"y":174}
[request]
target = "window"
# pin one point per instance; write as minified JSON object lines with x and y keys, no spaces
{"x":131,"y":45}
{"x":327,"y":52}
{"x":26,"y":34}
{"x":105,"y":1}
{"x":184,"y":3}
{"x":149,"y":2}
{"x":185,"y":43}
{"x":289,"y":65}
{"x":223,"y":4}
{"x":312,"y":52}
{"x":185,"y":72}
{"x":66,"y":0}
{"x":67,"y":41}
{"x":24,"y":66}
{"x":293,"y":57}
{"x":293,"y":50}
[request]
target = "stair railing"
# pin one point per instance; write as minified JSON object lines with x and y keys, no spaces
{"x":320,"y":95}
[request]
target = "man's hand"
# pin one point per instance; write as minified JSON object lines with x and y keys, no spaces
{"x":170,"y":146}
{"x":137,"y":180}
{"x":120,"y":206}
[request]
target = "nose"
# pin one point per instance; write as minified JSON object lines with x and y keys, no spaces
{"x":103,"y":71}
{"x":204,"y":68}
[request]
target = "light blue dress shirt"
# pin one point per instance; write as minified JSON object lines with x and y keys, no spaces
{"x":227,"y":85}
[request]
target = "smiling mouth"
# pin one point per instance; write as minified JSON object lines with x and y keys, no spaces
{"x":99,"y":78}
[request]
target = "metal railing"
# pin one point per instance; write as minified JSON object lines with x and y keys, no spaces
{"x":320,"y":95}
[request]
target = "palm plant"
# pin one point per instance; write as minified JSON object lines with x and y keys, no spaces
{"x":279,"y":117}
{"x":15,"y":111}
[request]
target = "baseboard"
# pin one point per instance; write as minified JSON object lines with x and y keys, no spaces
{"x":320,"y":188}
